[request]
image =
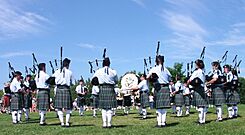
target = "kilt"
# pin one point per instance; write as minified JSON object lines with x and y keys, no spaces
{"x":144,"y":99}
{"x":127,"y":101}
{"x":27,"y":101}
{"x":162,"y":96}
{"x":6,"y":101}
{"x":43,"y":99}
{"x":179,"y":99}
{"x":16,"y":102}
{"x":63,"y":99}
{"x":187,"y":100}
{"x":80,"y":101}
{"x":237,"y":97}
{"x":107,"y":97}
{"x":218,"y":96}
{"x":95,"y":101}
{"x":230,"y":97}
{"x":199,"y":97}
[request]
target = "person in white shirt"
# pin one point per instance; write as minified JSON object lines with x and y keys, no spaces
{"x":81,"y":91}
{"x":186,"y":94}
{"x":43,"y":95}
{"x":63,"y":99}
{"x":143,"y":87}
{"x":6,"y":99}
{"x":162,"y":92}
{"x":27,"y":97}
{"x":179,"y":99}
{"x":217,"y":89}
{"x":107,"y":97}
{"x":16,"y":101}
{"x":95,"y":95}
{"x":197,"y":79}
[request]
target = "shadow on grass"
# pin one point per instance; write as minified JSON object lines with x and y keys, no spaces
{"x":119,"y":126}
{"x":140,"y":117}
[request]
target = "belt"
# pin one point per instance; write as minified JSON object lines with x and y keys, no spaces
{"x":62,"y":86}
{"x":164,"y":85}
{"x":40,"y":89}
{"x":107,"y":84}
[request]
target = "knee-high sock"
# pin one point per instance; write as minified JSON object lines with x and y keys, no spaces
{"x":179,"y":111}
{"x":219,"y":112}
{"x":205,"y":110}
{"x":104,"y":117}
{"x":42,"y":116}
{"x":187,"y":110}
{"x":81,"y":110}
{"x":201,"y":114}
{"x":144,"y":111}
{"x":27,"y":111}
{"x":61,"y":117}
{"x":159,"y":117}
{"x":14,"y":116}
{"x":19,"y":115}
{"x":230,"y":111}
{"x":68,"y":116}
{"x":126,"y":110}
{"x":109,"y":117}
{"x":94,"y":112}
{"x":164,"y":116}
{"x":235,"y":110}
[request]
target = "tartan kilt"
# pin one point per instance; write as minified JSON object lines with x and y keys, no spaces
{"x":80,"y":101}
{"x":63,"y":99}
{"x":179,"y":99}
{"x":162,"y":96}
{"x":230,"y":97}
{"x":127,"y":101}
{"x":218,"y":96}
{"x":187,"y":100}
{"x":107,"y":97}
{"x":43,"y":99}
{"x":16,"y":102}
{"x":236,"y":96}
{"x":95,"y":101}
{"x":28,"y":101}
{"x":144,"y":99}
{"x":199,"y":97}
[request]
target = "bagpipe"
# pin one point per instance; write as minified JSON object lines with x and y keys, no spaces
{"x":11,"y":71}
{"x":148,"y":65}
{"x":196,"y":82}
{"x":96,"y":62}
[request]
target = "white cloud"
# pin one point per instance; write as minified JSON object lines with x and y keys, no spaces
{"x":182,"y":23}
{"x":139,"y":2}
{"x":87,"y":46}
{"x":235,"y":36}
{"x":15,"y":54}
{"x":16,"y":22}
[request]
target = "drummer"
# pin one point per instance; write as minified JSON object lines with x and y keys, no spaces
{"x":126,"y":100}
{"x":143,"y":87}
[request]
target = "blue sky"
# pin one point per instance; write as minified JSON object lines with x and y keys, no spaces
{"x":129,"y":29}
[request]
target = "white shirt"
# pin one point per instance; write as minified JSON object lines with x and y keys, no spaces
{"x":143,"y":86}
{"x":151,"y":99}
{"x":186,"y":90}
{"x":15,"y":85}
{"x":27,"y":84}
{"x":80,"y":89}
{"x":95,"y":90}
{"x":163,"y":75}
{"x":198,"y":73}
{"x":64,"y":77}
{"x":229,"y":76}
{"x":41,"y":81}
{"x":178,"y":86}
{"x":172,"y":88}
{"x":106,"y":75}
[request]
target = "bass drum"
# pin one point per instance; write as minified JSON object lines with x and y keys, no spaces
{"x":129,"y":81}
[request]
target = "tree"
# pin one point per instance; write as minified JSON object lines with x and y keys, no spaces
{"x":242,"y":89}
{"x":177,"y":70}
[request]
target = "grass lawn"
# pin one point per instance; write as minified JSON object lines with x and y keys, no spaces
{"x":127,"y":125}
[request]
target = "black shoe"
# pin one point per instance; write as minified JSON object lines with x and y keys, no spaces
{"x":44,"y":124}
{"x":104,"y":127}
{"x":109,"y":127}
{"x":219,"y":120}
{"x":158,"y":126}
{"x":200,"y":124}
{"x":163,"y":126}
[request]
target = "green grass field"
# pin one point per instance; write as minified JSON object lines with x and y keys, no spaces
{"x":127,"y":125}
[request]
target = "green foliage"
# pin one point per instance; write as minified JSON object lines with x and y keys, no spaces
{"x":242,"y":89}
{"x":177,"y":70}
